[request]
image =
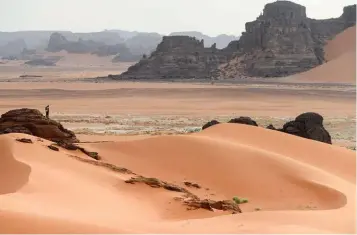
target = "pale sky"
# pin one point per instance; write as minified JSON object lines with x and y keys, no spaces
{"x":211,"y":17}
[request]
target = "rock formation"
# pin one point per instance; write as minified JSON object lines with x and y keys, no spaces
{"x":178,"y":57}
{"x":32,"y":122}
{"x":13,"y":48}
{"x":280,"y":42}
{"x":307,"y":125}
{"x":283,"y":41}
{"x":209,"y":124}
{"x":221,"y":40}
{"x":58,"y":43}
{"x":244,"y":120}
{"x":310,"y":126}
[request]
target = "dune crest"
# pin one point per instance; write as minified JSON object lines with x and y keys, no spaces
{"x":301,"y":184}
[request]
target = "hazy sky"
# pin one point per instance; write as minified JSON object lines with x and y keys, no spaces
{"x":211,"y":17}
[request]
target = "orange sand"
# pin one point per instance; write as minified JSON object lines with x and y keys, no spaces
{"x":301,"y":186}
{"x":340,"y":54}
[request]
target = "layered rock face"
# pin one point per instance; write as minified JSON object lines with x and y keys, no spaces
{"x":179,"y":57}
{"x":32,"y":122}
{"x":283,"y":41}
{"x":280,"y":42}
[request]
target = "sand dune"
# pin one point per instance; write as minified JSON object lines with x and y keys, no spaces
{"x":340,"y":67}
{"x":301,"y":186}
{"x":342,"y":43}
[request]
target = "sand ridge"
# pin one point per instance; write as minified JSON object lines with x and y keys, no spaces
{"x":298,"y":187}
{"x":340,"y":67}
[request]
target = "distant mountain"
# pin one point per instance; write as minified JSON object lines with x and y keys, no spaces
{"x":221,"y":41}
{"x":33,"y":39}
{"x":138,"y":43}
{"x":143,"y":43}
{"x":58,"y":42}
{"x":13,"y":48}
{"x":123,"y":34}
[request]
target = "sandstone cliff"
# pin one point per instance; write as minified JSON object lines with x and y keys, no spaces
{"x":178,"y":57}
{"x":283,"y":41}
{"x":280,"y":42}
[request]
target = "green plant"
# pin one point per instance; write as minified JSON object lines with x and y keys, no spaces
{"x":240,"y":200}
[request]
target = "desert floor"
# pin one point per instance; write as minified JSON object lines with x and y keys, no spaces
{"x":291,"y":184}
{"x":136,"y":108}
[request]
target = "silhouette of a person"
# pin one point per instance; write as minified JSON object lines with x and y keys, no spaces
{"x":47,"y":109}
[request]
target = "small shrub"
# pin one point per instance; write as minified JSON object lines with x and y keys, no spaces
{"x":193,"y":130}
{"x":240,"y":200}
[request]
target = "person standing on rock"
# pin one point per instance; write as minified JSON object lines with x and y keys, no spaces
{"x":47,"y":109}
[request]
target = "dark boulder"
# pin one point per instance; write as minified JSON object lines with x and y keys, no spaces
{"x":33,"y":122}
{"x":310,"y":117}
{"x":271,"y":127}
{"x":308,"y":125}
{"x":210,"y":123}
{"x":244,"y":120}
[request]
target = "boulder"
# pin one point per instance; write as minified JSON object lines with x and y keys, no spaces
{"x":244,"y":120}
{"x":210,"y":123}
{"x":271,"y":127}
{"x":33,"y":122}
{"x":308,"y":125}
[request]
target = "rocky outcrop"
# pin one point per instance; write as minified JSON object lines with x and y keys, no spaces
{"x":280,"y":42}
{"x":121,"y":52}
{"x":58,"y":43}
{"x":209,"y":124}
{"x":283,"y":41}
{"x":244,"y":120}
{"x":32,"y":122}
{"x":307,"y":125}
{"x":221,"y":40}
{"x":13,"y":48}
{"x":310,"y":126}
{"x":349,"y":16}
{"x":180,"y":57}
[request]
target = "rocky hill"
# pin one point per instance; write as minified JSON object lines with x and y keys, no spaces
{"x":283,"y":41}
{"x":178,"y":57}
{"x":280,"y":42}
{"x":58,"y":43}
{"x":221,"y":40}
{"x":13,"y":48}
